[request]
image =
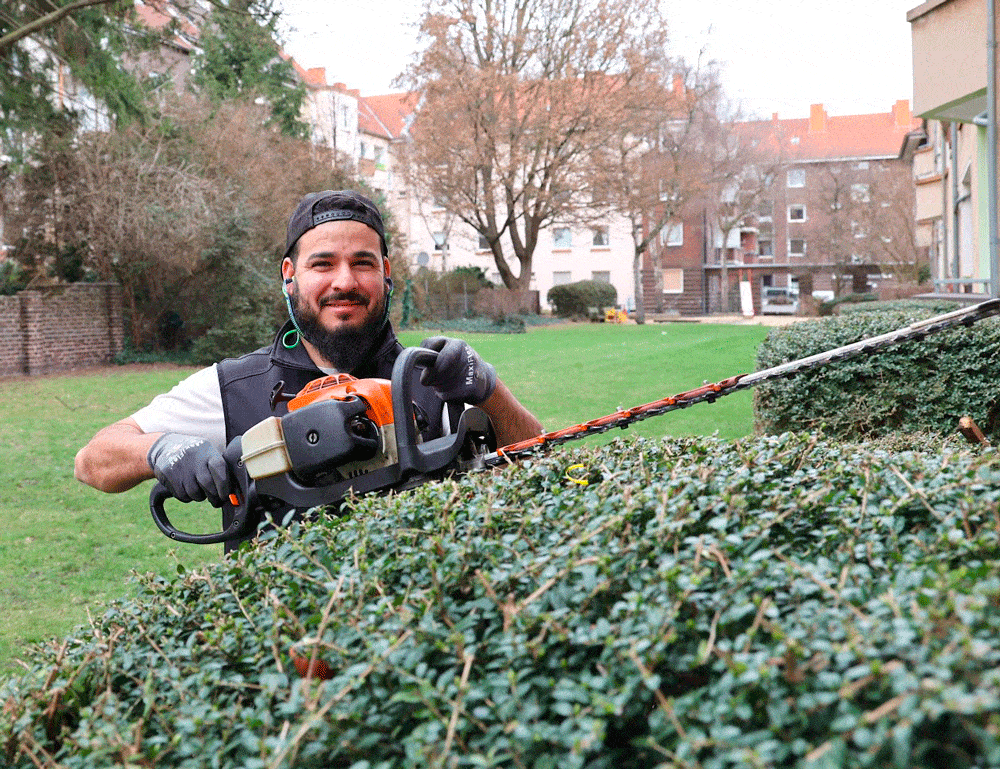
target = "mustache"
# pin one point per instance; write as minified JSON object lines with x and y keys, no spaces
{"x":346,"y":296}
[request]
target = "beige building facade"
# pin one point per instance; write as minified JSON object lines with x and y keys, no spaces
{"x":950,"y":79}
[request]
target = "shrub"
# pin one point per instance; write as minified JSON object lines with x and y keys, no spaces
{"x":13,"y":277}
{"x":236,"y":335}
{"x":773,"y":602}
{"x":448,"y":295}
{"x":512,"y":324}
{"x":912,"y":387}
{"x":573,"y":300}
{"x":927,"y":306}
{"x":826,"y":308}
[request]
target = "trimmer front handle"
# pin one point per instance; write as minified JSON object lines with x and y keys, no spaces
{"x":247,"y":512}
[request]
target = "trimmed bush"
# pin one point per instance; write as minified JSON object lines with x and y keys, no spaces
{"x":573,"y":300}
{"x":774,"y":602}
{"x":912,"y":387}
{"x":512,"y":324}
{"x":932,"y":307}
{"x":847,"y":300}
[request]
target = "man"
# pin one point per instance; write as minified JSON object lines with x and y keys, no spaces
{"x":337,"y":285}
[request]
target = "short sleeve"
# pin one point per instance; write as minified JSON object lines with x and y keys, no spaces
{"x":192,"y":407}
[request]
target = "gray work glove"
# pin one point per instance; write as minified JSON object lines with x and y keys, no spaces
{"x":191,"y":468}
{"x":458,"y":374}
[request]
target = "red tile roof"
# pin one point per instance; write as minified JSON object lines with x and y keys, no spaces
{"x":825,"y":137}
{"x":391,"y":110}
{"x":154,"y":14}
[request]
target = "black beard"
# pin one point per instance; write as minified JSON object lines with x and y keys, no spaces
{"x":345,"y":349}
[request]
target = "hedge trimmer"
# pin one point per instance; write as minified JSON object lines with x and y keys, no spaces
{"x":344,"y":436}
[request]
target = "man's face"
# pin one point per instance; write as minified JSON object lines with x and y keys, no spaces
{"x":339,"y":290}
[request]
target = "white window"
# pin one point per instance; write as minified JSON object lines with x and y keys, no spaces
{"x":765,"y":248}
{"x":562,"y":278}
{"x":797,"y":213}
{"x":484,"y":244}
{"x":668,"y":193}
{"x":673,"y":280}
{"x":600,"y":236}
{"x":672,"y":235}
{"x":562,"y":238}
{"x":439,"y":241}
{"x":861,"y":193}
{"x":796,"y":247}
{"x":766,"y":209}
{"x":797,"y":177}
{"x":601,"y":276}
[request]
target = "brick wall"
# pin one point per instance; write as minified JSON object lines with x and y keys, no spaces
{"x":60,"y":328}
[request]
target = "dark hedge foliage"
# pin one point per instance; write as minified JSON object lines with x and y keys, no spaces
{"x":514,"y":324}
{"x":924,"y":386}
{"x":921,"y":306}
{"x":574,"y":300}
{"x":775,"y":602}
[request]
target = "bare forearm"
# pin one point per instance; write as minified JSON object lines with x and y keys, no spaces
{"x":115,"y":458}
{"x":511,"y":420}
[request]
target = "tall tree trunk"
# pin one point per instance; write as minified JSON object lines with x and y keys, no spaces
{"x":640,"y":302}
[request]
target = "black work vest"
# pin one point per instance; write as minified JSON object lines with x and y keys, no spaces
{"x":246,"y":384}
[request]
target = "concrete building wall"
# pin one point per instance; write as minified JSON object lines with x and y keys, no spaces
{"x":949,"y":58}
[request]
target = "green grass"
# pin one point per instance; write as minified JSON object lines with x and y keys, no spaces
{"x":569,"y":374}
{"x":66,"y":549}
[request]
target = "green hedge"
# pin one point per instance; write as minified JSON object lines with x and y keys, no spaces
{"x":775,"y":602}
{"x":574,"y":300}
{"x":912,"y":387}
{"x":922,"y":306}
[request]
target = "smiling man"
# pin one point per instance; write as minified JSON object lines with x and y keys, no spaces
{"x":337,"y":284}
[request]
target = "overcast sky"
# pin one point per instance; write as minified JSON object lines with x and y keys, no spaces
{"x":853,"y":56}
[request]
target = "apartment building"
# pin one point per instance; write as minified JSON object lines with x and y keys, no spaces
{"x":951,"y":65}
{"x":831,"y":216}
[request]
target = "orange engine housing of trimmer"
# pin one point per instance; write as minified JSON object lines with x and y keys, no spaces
{"x":376,"y":393}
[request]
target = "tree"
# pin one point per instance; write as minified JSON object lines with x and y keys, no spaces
{"x":663,"y":155}
{"x":156,"y":203}
{"x":513,"y":107}
{"x":42,"y":19}
{"x":887,"y":223}
{"x":742,"y":168}
{"x":39,"y":39}
{"x":238,"y":57}
{"x":865,"y":222}
{"x":47,"y":46}
{"x":182,"y":212}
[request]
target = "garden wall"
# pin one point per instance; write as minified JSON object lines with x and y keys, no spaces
{"x":58,"y":328}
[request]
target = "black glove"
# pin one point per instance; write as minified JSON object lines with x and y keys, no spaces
{"x":191,"y":468}
{"x":458,"y":374}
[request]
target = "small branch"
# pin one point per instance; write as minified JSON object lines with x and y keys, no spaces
{"x":44,"y":21}
{"x":457,"y":705}
{"x":825,"y":587}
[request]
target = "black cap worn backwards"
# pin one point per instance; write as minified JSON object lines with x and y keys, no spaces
{"x":333,"y":205}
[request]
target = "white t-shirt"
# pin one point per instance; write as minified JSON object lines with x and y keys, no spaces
{"x":192,"y":407}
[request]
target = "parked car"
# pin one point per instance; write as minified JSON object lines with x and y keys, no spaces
{"x":778,"y":300}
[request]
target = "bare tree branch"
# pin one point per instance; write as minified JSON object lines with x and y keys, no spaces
{"x":45,"y":21}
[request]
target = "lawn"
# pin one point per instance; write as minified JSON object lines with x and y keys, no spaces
{"x":66,"y":549}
